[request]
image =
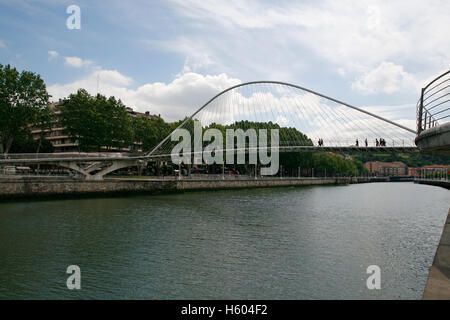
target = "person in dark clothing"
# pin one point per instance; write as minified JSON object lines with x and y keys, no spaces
{"x":365,"y":141}
{"x":320,"y":142}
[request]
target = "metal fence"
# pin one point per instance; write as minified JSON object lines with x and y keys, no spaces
{"x":433,"y":107}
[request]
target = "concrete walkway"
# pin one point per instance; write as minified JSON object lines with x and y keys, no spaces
{"x":438,"y":283}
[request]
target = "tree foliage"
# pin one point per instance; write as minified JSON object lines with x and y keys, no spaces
{"x":23,"y":97}
{"x":24,"y":143}
{"x":291,"y":162}
{"x":96,"y":122}
{"x":149,"y":132}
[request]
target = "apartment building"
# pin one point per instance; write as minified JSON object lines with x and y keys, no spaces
{"x":60,"y":140}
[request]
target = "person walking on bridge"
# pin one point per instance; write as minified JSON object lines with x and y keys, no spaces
{"x":320,"y":142}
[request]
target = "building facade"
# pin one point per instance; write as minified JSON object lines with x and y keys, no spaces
{"x":387,"y":168}
{"x":61,"y":141}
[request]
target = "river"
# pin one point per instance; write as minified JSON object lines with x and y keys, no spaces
{"x":274,"y":243}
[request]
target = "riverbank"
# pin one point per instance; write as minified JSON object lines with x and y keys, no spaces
{"x":28,"y":187}
{"x":439,"y":183}
{"x":438,"y":283}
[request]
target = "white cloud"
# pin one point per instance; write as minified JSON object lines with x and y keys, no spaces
{"x":174,"y":100}
{"x":282,"y":121}
{"x":108,"y":82}
{"x":276,"y":40}
{"x":52,"y":54}
{"x":77,"y":62}
{"x":2,"y":44}
{"x":386,"y":78}
{"x":197,"y":56}
{"x":315,"y":116}
{"x":111,"y":78}
{"x":392,"y":112}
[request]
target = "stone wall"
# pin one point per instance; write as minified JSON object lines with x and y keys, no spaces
{"x":32,"y":188}
{"x":438,"y":282}
{"x":26,"y":188}
{"x":439,"y":183}
{"x":254,"y":183}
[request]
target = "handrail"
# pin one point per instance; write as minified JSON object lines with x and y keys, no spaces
{"x":439,"y":105}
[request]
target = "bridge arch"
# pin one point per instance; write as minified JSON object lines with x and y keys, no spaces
{"x":338,"y":123}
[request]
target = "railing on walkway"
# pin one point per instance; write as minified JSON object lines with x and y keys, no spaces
{"x":66,"y":155}
{"x":433,"y":107}
{"x":433,"y":176}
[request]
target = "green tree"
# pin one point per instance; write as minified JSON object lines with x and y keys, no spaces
{"x":44,"y":120}
{"x":22,"y":97}
{"x":26,"y":144}
{"x":96,"y":122}
{"x":149,"y":132}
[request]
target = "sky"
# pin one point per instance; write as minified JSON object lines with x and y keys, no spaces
{"x":169,"y":57}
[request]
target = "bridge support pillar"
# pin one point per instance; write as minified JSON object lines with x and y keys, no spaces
{"x":87,"y":170}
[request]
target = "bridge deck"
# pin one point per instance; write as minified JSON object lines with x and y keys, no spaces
{"x":105,"y":157}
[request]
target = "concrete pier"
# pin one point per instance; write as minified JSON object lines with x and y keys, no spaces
{"x":435,"y":140}
{"x":438,"y":283}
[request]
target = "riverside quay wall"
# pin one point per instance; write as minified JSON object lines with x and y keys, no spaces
{"x":438,"y":283}
{"x":439,"y":183}
{"x":35,"y":188}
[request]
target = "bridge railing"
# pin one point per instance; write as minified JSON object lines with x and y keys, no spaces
{"x":66,"y":155}
{"x":433,"y":107}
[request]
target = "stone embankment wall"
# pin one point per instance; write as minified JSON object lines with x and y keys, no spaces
{"x":439,"y":183}
{"x":438,"y":283}
{"x":17,"y":188}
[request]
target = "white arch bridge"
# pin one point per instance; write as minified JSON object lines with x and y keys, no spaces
{"x":303,"y":117}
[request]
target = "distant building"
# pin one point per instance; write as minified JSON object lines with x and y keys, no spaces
{"x":387,"y":168}
{"x":436,"y":168}
{"x":61,"y":141}
{"x":441,"y":169}
{"x":414,"y":172}
{"x":429,"y":170}
{"x":140,"y":114}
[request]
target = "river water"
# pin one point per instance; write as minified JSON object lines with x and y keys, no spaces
{"x":276,"y":243}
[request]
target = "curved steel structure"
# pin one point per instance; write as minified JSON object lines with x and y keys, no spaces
{"x":283,"y":84}
{"x":434,"y":103}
